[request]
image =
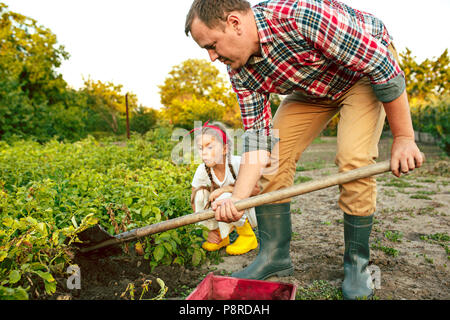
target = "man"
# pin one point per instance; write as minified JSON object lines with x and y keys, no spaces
{"x":328,"y":58}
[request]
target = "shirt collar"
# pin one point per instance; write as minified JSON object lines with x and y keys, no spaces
{"x":264,"y":33}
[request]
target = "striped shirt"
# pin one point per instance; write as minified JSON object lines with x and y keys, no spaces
{"x":319,"y":47}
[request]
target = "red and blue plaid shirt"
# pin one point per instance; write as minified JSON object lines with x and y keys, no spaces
{"x":320,"y":47}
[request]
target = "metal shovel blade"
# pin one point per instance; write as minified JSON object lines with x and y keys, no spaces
{"x":94,"y":235}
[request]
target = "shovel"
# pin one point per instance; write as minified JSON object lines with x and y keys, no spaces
{"x":96,"y":238}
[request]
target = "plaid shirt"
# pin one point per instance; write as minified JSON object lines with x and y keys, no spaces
{"x":319,"y":47}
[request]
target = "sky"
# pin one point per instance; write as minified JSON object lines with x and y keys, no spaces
{"x":137,"y":42}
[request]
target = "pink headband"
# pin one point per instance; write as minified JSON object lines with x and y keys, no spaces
{"x":223,"y":134}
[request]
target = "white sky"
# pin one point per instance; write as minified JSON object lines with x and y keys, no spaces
{"x":136,"y":42}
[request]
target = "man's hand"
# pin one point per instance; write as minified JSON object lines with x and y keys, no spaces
{"x":226,"y":211}
{"x":405,"y":156}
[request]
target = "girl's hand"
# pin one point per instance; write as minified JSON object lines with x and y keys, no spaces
{"x":218,"y":192}
{"x":215,"y":194}
{"x":214,"y":237}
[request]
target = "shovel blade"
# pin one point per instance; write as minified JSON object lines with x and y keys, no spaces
{"x":94,"y":235}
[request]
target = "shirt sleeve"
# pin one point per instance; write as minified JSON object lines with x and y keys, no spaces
{"x":200,"y":177}
{"x":343,"y":39}
{"x":256,"y":119}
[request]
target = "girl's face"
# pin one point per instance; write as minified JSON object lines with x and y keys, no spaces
{"x":211,"y":150}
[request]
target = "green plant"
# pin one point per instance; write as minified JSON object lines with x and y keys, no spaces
{"x":49,"y":192}
{"x":400,"y":183}
{"x":312,"y":165}
{"x":420,"y":196}
{"x":301,"y":179}
{"x":319,"y":290}
{"x":389,"y":251}
{"x":394,"y":236}
{"x":131,"y":290}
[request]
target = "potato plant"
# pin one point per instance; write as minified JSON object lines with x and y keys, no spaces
{"x":50,"y":192}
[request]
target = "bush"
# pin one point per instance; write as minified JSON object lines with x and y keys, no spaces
{"x":434,"y":117}
{"x":50,"y":192}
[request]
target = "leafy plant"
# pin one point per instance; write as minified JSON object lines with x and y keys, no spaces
{"x":50,"y":192}
{"x":394,"y":236}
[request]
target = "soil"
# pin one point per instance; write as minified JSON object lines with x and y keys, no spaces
{"x":409,"y":215}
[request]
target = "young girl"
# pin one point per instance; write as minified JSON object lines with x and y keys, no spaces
{"x":214,"y":180}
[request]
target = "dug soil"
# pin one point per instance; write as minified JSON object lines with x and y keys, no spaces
{"x":409,"y":241}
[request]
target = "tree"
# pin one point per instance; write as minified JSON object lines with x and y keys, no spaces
{"x":427,"y":79}
{"x":194,"y":90}
{"x":143,"y":119}
{"x":30,"y":56}
{"x":107,"y":100}
{"x":33,"y":96}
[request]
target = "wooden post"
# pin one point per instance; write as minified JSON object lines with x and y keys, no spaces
{"x":128,"y":119}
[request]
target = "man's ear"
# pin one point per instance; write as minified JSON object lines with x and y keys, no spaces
{"x":235,"y":22}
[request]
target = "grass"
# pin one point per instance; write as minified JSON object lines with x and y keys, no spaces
{"x":319,"y":290}
{"x":296,"y":236}
{"x":420,"y":196}
{"x":389,"y":193}
{"x":318,"y":140}
{"x":400,"y":183}
{"x":438,"y":238}
{"x":388,"y":250}
{"x":301,"y":179}
{"x":394,"y":236}
{"x":427,"y":210}
{"x":427,"y":180}
{"x":311,"y":165}
{"x":426,"y":192}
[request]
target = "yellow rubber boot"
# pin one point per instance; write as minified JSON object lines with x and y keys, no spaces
{"x":245,"y":242}
{"x":209,"y":246}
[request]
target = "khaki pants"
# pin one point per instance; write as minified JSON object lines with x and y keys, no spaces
{"x":300,"y":119}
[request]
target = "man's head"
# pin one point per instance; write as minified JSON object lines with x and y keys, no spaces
{"x":225,"y":28}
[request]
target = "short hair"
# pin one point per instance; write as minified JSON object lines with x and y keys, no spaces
{"x":211,"y":12}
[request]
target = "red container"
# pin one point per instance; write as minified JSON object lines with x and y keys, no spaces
{"x":229,"y":288}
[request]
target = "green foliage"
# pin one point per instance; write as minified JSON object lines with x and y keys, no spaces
{"x":433,"y":116}
{"x":108,"y":102}
{"x":388,"y":250}
{"x":194,"y":91}
{"x":143,"y":120}
{"x":394,"y":236}
{"x":50,"y":192}
{"x":430,"y":77}
{"x":31,"y":91}
{"x":35,"y":101}
{"x":319,"y":290}
{"x":428,"y":94}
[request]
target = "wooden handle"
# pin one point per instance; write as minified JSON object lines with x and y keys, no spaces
{"x":295,"y":190}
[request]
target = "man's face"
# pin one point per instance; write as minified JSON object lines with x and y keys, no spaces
{"x":222,"y":42}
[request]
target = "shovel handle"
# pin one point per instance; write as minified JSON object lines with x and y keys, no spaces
{"x":295,"y":190}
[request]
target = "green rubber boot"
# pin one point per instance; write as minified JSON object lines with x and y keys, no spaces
{"x":357,"y":279}
{"x":274,"y":232}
